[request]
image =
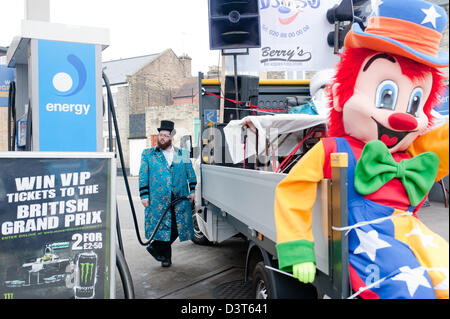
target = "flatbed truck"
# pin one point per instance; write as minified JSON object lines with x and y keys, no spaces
{"x":237,"y":201}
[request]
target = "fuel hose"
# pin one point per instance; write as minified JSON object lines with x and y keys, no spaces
{"x":122,"y":163}
{"x":121,"y":262}
{"x":12,"y":117}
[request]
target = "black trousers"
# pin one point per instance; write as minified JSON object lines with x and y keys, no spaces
{"x":164,"y":248}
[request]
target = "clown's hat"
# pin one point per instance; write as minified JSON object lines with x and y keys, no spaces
{"x":410,"y":28}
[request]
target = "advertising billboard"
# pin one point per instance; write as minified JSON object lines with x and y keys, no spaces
{"x":57,"y":224}
{"x":293,"y":38}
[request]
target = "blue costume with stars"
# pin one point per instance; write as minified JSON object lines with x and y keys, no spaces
{"x":374,"y":252}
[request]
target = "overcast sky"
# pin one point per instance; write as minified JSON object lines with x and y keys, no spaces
{"x":137,"y":27}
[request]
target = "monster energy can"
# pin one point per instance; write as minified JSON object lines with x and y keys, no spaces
{"x":85,"y":279}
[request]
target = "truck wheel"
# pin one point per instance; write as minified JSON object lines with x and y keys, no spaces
{"x":261,"y":283}
{"x":199,"y":237}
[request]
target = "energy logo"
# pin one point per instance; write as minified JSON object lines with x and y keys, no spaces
{"x":68,"y":96}
{"x":63,"y":81}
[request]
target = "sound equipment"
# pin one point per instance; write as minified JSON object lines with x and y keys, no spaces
{"x":234,"y":24}
{"x":216,"y":151}
{"x":337,"y":16}
{"x":248,"y":87}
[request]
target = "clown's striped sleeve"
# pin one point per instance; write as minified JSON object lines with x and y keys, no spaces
{"x":435,"y":141}
{"x":294,"y":200}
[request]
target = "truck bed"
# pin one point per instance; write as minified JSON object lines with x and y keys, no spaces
{"x":248,"y":195}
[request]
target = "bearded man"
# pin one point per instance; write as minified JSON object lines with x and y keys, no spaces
{"x":165,"y":174}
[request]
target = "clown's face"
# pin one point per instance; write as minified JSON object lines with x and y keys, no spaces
{"x":386,"y":104}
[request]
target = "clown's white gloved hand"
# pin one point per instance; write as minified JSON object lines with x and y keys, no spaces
{"x":305,"y":272}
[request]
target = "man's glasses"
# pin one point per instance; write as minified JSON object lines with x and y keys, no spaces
{"x":164,"y":135}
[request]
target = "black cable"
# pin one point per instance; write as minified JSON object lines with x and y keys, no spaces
{"x":121,"y":263}
{"x":29,"y":131}
{"x":125,"y":275}
{"x":110,"y":148}
{"x":110,"y":138}
{"x":236,"y":89}
{"x":9,"y":118}
{"x":12,"y":117}
{"x":119,"y":146}
{"x":175,"y":201}
{"x":119,"y":233}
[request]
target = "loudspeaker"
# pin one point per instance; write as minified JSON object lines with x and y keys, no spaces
{"x":234,"y":24}
{"x":248,"y":89}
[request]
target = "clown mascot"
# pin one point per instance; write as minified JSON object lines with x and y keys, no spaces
{"x":381,"y":97}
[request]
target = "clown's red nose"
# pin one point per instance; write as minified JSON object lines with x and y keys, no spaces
{"x":402,"y":122}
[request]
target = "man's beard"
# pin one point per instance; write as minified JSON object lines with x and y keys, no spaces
{"x":165,"y":145}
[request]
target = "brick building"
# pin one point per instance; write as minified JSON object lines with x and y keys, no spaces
{"x":145,"y":90}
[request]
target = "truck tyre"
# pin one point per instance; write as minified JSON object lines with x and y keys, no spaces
{"x":199,"y":238}
{"x":261,"y":282}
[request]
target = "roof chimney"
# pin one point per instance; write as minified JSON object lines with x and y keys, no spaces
{"x":186,"y":62}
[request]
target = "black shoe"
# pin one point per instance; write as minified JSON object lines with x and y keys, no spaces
{"x":166,"y":263}
{"x":152,"y":252}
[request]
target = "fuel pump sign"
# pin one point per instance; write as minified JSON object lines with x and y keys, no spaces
{"x":57,"y":223}
{"x":68,"y":96}
{"x":6,"y":77}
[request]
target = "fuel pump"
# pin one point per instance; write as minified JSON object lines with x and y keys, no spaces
{"x":55,"y":102}
{"x":58,"y":85}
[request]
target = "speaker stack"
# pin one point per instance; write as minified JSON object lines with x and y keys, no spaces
{"x":234,"y":24}
{"x":248,"y":88}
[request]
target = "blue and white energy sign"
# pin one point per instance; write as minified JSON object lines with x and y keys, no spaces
{"x":67,"y":96}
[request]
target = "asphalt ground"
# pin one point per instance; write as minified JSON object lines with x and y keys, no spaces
{"x":203,"y":272}
{"x":195,"y":271}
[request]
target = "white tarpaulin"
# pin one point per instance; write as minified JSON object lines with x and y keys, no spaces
{"x":269,"y":127}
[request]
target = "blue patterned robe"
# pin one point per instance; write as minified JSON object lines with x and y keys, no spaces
{"x":157,"y":181}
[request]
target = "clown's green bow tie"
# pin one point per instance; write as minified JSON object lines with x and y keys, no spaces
{"x":376,"y":167}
